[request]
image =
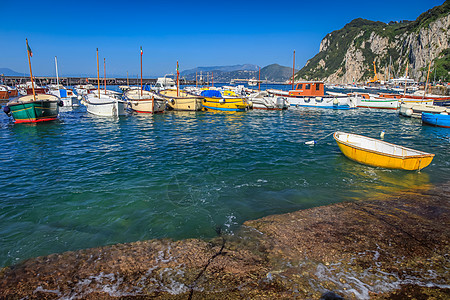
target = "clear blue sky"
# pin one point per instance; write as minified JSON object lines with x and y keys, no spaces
{"x":196,"y":33}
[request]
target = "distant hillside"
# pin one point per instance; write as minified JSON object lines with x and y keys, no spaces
{"x":9,"y":72}
{"x":246,"y":67}
{"x":275,"y":72}
{"x":272,"y":72}
{"x":347,"y":54}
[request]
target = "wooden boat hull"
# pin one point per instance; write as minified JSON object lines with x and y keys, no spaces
{"x":224,"y":104}
{"x":381,"y":154}
{"x":4,"y":95}
{"x":438,"y":120}
{"x":416,"y":110}
{"x":13,"y":93}
{"x":34,"y":111}
{"x":37,"y":90}
{"x":147,"y":106}
{"x":184,"y":101}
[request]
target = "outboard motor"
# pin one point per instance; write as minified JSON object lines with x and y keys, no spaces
{"x":280,"y":102}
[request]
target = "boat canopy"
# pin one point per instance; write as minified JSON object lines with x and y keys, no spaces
{"x":211,"y":93}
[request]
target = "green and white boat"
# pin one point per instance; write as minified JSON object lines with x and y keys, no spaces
{"x":35,"y":107}
{"x":30,"y":109}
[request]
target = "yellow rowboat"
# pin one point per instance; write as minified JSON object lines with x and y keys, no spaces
{"x":378,"y":153}
{"x":224,"y":101}
{"x":184,"y":100}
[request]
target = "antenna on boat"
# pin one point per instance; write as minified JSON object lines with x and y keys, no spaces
{"x":426,"y":84}
{"x":57,"y":77}
{"x":98,"y":75}
{"x":293,"y":71}
{"x":104,"y":72}
{"x":30,"y":53}
{"x":406,"y":77}
{"x":141,"y":70}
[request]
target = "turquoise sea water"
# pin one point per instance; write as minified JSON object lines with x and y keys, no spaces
{"x":87,"y":181}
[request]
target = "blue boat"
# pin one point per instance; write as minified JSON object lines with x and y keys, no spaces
{"x":439,"y":120}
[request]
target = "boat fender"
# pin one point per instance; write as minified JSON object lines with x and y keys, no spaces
{"x":335,"y":101}
{"x":222,"y":101}
{"x":60,"y":104}
{"x":6,"y":109}
{"x":382,"y":134}
{"x":79,"y":97}
{"x":172,"y":101}
{"x":409,"y":112}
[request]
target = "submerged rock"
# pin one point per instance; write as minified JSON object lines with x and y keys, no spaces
{"x":393,"y":247}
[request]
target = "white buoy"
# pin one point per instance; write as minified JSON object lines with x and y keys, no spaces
{"x":382,"y":134}
{"x":311,"y":143}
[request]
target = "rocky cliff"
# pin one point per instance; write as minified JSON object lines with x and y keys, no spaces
{"x":347,"y":55}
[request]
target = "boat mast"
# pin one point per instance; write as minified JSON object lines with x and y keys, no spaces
{"x":389,"y":71}
{"x":98,"y":75}
{"x":196,"y":78}
{"x":212,"y":79}
{"x":293,"y":71}
{"x":128,"y":83}
{"x":141,"y":71}
{"x":259,"y":80}
{"x":104,"y":71}
{"x":57,"y":77}
{"x":178,"y":81}
{"x":426,"y":85}
{"x":31,"y":73}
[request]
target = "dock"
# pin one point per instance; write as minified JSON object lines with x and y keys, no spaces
{"x":71,"y":81}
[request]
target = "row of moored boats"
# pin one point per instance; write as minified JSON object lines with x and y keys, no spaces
{"x":42,"y":103}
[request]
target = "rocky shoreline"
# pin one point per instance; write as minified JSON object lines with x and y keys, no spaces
{"x":389,"y":248}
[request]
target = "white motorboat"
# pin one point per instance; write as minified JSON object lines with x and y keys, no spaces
{"x":367,"y":100}
{"x":84,"y":89}
{"x":105,"y":105}
{"x":164,"y":83}
{"x":266,"y":101}
{"x":68,"y":98}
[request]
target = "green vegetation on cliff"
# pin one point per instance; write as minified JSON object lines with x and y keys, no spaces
{"x":356,"y":34}
{"x":442,"y":66}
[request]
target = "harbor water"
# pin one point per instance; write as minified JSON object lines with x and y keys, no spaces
{"x":86,"y":181}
